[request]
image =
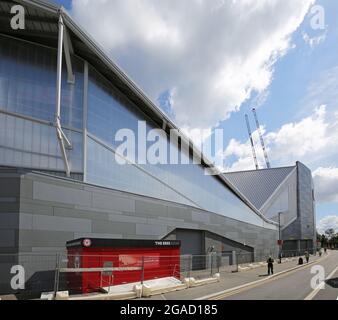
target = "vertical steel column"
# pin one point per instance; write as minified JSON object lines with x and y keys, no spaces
{"x":59,"y":68}
{"x":85,"y":119}
{"x":280,"y":237}
{"x":59,"y":133}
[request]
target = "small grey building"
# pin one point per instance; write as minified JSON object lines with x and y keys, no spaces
{"x":284,"y":195}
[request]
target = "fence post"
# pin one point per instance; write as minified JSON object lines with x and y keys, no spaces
{"x":142,"y":271}
{"x":237,"y":256}
{"x":211,"y":263}
{"x":57,"y":274}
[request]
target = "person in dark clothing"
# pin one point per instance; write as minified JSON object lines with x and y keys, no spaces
{"x":307,"y":257}
{"x":270,"y":262}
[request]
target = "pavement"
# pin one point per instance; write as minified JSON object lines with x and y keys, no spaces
{"x":244,"y":278}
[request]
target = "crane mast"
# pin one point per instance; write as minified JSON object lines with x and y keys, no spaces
{"x":251,"y":141}
{"x":261,"y":139}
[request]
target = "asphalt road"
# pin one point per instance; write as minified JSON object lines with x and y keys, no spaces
{"x":295,"y":285}
{"x":331,"y":289}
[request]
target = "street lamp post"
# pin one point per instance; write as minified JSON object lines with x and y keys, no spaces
{"x":280,"y":236}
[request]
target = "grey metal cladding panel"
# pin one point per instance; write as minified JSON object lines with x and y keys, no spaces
{"x":111,"y":227}
{"x":257,"y":186}
{"x":9,"y":187}
{"x":151,"y":230}
{"x":98,"y":235}
{"x":179,"y":213}
{"x":293,"y":231}
{"x":108,"y":201}
{"x":79,"y":213}
{"x":9,"y":221}
{"x":126,"y":218}
{"x":34,"y":207}
{"x":38,"y":238}
{"x":53,"y":223}
{"x":202,"y":217}
{"x":7,"y":238}
{"x":306,"y":205}
{"x":62,"y":194}
{"x":151,"y":208}
{"x":26,"y":188}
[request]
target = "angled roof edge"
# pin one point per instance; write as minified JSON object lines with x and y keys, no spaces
{"x":100,"y":52}
{"x":279,"y":187}
{"x":270,"y":169}
{"x":264,"y":169}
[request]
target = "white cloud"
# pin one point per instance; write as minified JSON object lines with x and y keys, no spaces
{"x":328,"y":223}
{"x":326,"y":184}
{"x":310,"y":140}
{"x":215,"y":54}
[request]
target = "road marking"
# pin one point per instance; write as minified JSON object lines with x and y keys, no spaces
{"x":319,"y":287}
{"x":251,"y":285}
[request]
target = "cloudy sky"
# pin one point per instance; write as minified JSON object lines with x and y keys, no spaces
{"x":208,"y":62}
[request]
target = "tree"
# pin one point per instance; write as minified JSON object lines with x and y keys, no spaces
{"x":330,"y":233}
{"x":331,"y":238}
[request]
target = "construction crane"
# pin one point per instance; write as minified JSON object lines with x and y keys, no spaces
{"x":261,"y":138}
{"x":251,"y":140}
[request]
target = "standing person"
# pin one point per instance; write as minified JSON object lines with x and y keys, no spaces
{"x":307,"y":257}
{"x":325,"y":250}
{"x":270,"y":262}
{"x":280,"y":256}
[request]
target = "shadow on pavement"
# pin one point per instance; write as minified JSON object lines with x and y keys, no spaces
{"x":332,"y":283}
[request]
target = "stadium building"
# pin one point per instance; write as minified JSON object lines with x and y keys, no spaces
{"x":61,"y":100}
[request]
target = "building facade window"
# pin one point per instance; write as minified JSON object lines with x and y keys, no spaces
{"x":28,"y":139}
{"x":109,"y":111}
{"x":27,"y":102}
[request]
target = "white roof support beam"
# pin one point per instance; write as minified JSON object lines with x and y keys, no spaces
{"x":68,"y":47}
{"x":62,"y":138}
{"x":164,"y":124}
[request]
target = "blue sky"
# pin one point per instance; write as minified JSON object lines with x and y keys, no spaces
{"x":303,"y":78}
{"x":65,"y":3}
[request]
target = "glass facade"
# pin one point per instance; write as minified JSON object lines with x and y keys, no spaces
{"x":27,"y":89}
{"x":109,"y":111}
{"x":28,"y":139}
